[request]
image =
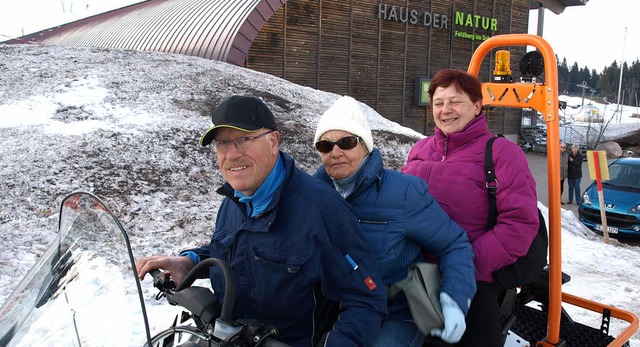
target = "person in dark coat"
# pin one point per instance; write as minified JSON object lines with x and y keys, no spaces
{"x":564,"y":167}
{"x":399,"y":218}
{"x":574,"y":173}
{"x":294,"y":245}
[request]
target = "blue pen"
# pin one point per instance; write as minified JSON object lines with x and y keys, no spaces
{"x":351,"y":262}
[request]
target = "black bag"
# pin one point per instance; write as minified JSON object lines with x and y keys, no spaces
{"x":528,"y":267}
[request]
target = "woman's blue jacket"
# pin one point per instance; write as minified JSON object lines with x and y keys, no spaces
{"x":400,"y":219}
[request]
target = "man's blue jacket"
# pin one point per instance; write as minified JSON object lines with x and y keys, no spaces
{"x":291,"y":266}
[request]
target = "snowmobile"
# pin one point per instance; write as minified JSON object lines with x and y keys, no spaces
{"x":84,"y":291}
{"x":75,"y":293}
{"x":92,"y":255}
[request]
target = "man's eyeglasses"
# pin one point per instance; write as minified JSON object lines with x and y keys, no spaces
{"x":241,"y":142}
{"x":345,"y":143}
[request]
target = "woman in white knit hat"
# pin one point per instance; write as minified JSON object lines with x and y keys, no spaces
{"x":399,"y":218}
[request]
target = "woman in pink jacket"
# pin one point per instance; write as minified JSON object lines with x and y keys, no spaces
{"x":452,"y":163}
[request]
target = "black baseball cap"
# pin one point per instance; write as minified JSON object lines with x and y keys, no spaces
{"x":246,"y":113}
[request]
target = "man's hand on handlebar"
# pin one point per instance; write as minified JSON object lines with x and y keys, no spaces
{"x":177,"y":266}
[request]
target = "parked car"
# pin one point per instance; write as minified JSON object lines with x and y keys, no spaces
{"x":621,"y":193}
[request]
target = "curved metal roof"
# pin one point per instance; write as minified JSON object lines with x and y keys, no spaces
{"x":214,"y":29}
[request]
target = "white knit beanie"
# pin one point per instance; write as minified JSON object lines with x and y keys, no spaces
{"x":348,"y":115}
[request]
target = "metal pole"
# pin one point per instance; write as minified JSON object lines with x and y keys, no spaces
{"x":540,"y":19}
{"x":621,"y":71}
{"x":637,"y":114}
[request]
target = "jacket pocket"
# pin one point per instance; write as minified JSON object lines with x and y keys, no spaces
{"x":377,"y":235}
{"x":279,"y":278}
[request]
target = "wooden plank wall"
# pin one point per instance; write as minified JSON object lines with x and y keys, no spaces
{"x":364,"y":53}
{"x":341,"y":46}
{"x":335,"y":47}
{"x":267,"y":50}
{"x":392,"y":62}
{"x":303,"y":37}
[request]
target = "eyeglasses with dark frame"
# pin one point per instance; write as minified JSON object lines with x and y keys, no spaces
{"x":240,"y":143}
{"x":345,"y":143}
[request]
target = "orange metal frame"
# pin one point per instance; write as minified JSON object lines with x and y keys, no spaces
{"x":543,"y":97}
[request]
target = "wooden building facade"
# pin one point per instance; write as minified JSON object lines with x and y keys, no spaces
{"x":374,"y":50}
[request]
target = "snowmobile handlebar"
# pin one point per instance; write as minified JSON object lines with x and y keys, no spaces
{"x":225,"y":329}
{"x":201,"y":270}
{"x":167,"y":286}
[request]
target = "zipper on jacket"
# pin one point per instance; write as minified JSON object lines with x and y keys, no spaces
{"x":364,"y":221}
{"x":446,"y":148}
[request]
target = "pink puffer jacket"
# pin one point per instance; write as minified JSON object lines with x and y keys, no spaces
{"x":453,"y":167}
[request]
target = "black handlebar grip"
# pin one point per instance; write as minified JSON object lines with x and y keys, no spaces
{"x":158,"y":278}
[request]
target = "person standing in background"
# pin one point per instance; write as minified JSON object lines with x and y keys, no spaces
{"x":564,"y":166}
{"x":574,"y":173}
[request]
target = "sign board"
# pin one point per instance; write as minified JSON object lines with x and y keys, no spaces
{"x":421,"y":91}
{"x":598,"y":171}
{"x":603,"y":169}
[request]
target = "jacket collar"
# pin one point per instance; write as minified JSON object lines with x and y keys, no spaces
{"x":366,"y":175}
{"x":256,"y":203}
{"x":266,"y":217}
{"x":475,"y":129}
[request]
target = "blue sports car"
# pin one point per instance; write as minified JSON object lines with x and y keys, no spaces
{"x":621,"y":195}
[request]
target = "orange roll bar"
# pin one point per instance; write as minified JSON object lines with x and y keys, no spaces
{"x":547,"y":104}
{"x":543,"y":97}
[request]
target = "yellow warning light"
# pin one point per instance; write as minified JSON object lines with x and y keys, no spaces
{"x":502,"y":73}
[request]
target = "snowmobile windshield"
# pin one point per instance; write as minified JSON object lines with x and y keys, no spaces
{"x":83,"y":291}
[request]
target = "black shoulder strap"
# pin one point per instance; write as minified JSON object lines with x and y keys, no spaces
{"x":491,"y":182}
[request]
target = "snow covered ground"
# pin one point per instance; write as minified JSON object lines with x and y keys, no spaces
{"x":125,"y":126}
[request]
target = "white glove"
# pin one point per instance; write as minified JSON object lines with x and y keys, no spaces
{"x":454,"y":323}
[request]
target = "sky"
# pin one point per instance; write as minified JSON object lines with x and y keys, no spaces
{"x":107,"y":126}
{"x":592,"y":35}
{"x":27,"y":16}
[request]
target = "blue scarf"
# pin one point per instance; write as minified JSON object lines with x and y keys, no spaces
{"x":258,"y":202}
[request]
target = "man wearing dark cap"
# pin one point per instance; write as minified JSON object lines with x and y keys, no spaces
{"x":294,"y":244}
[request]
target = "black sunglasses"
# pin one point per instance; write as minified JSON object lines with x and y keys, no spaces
{"x":345,"y":143}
